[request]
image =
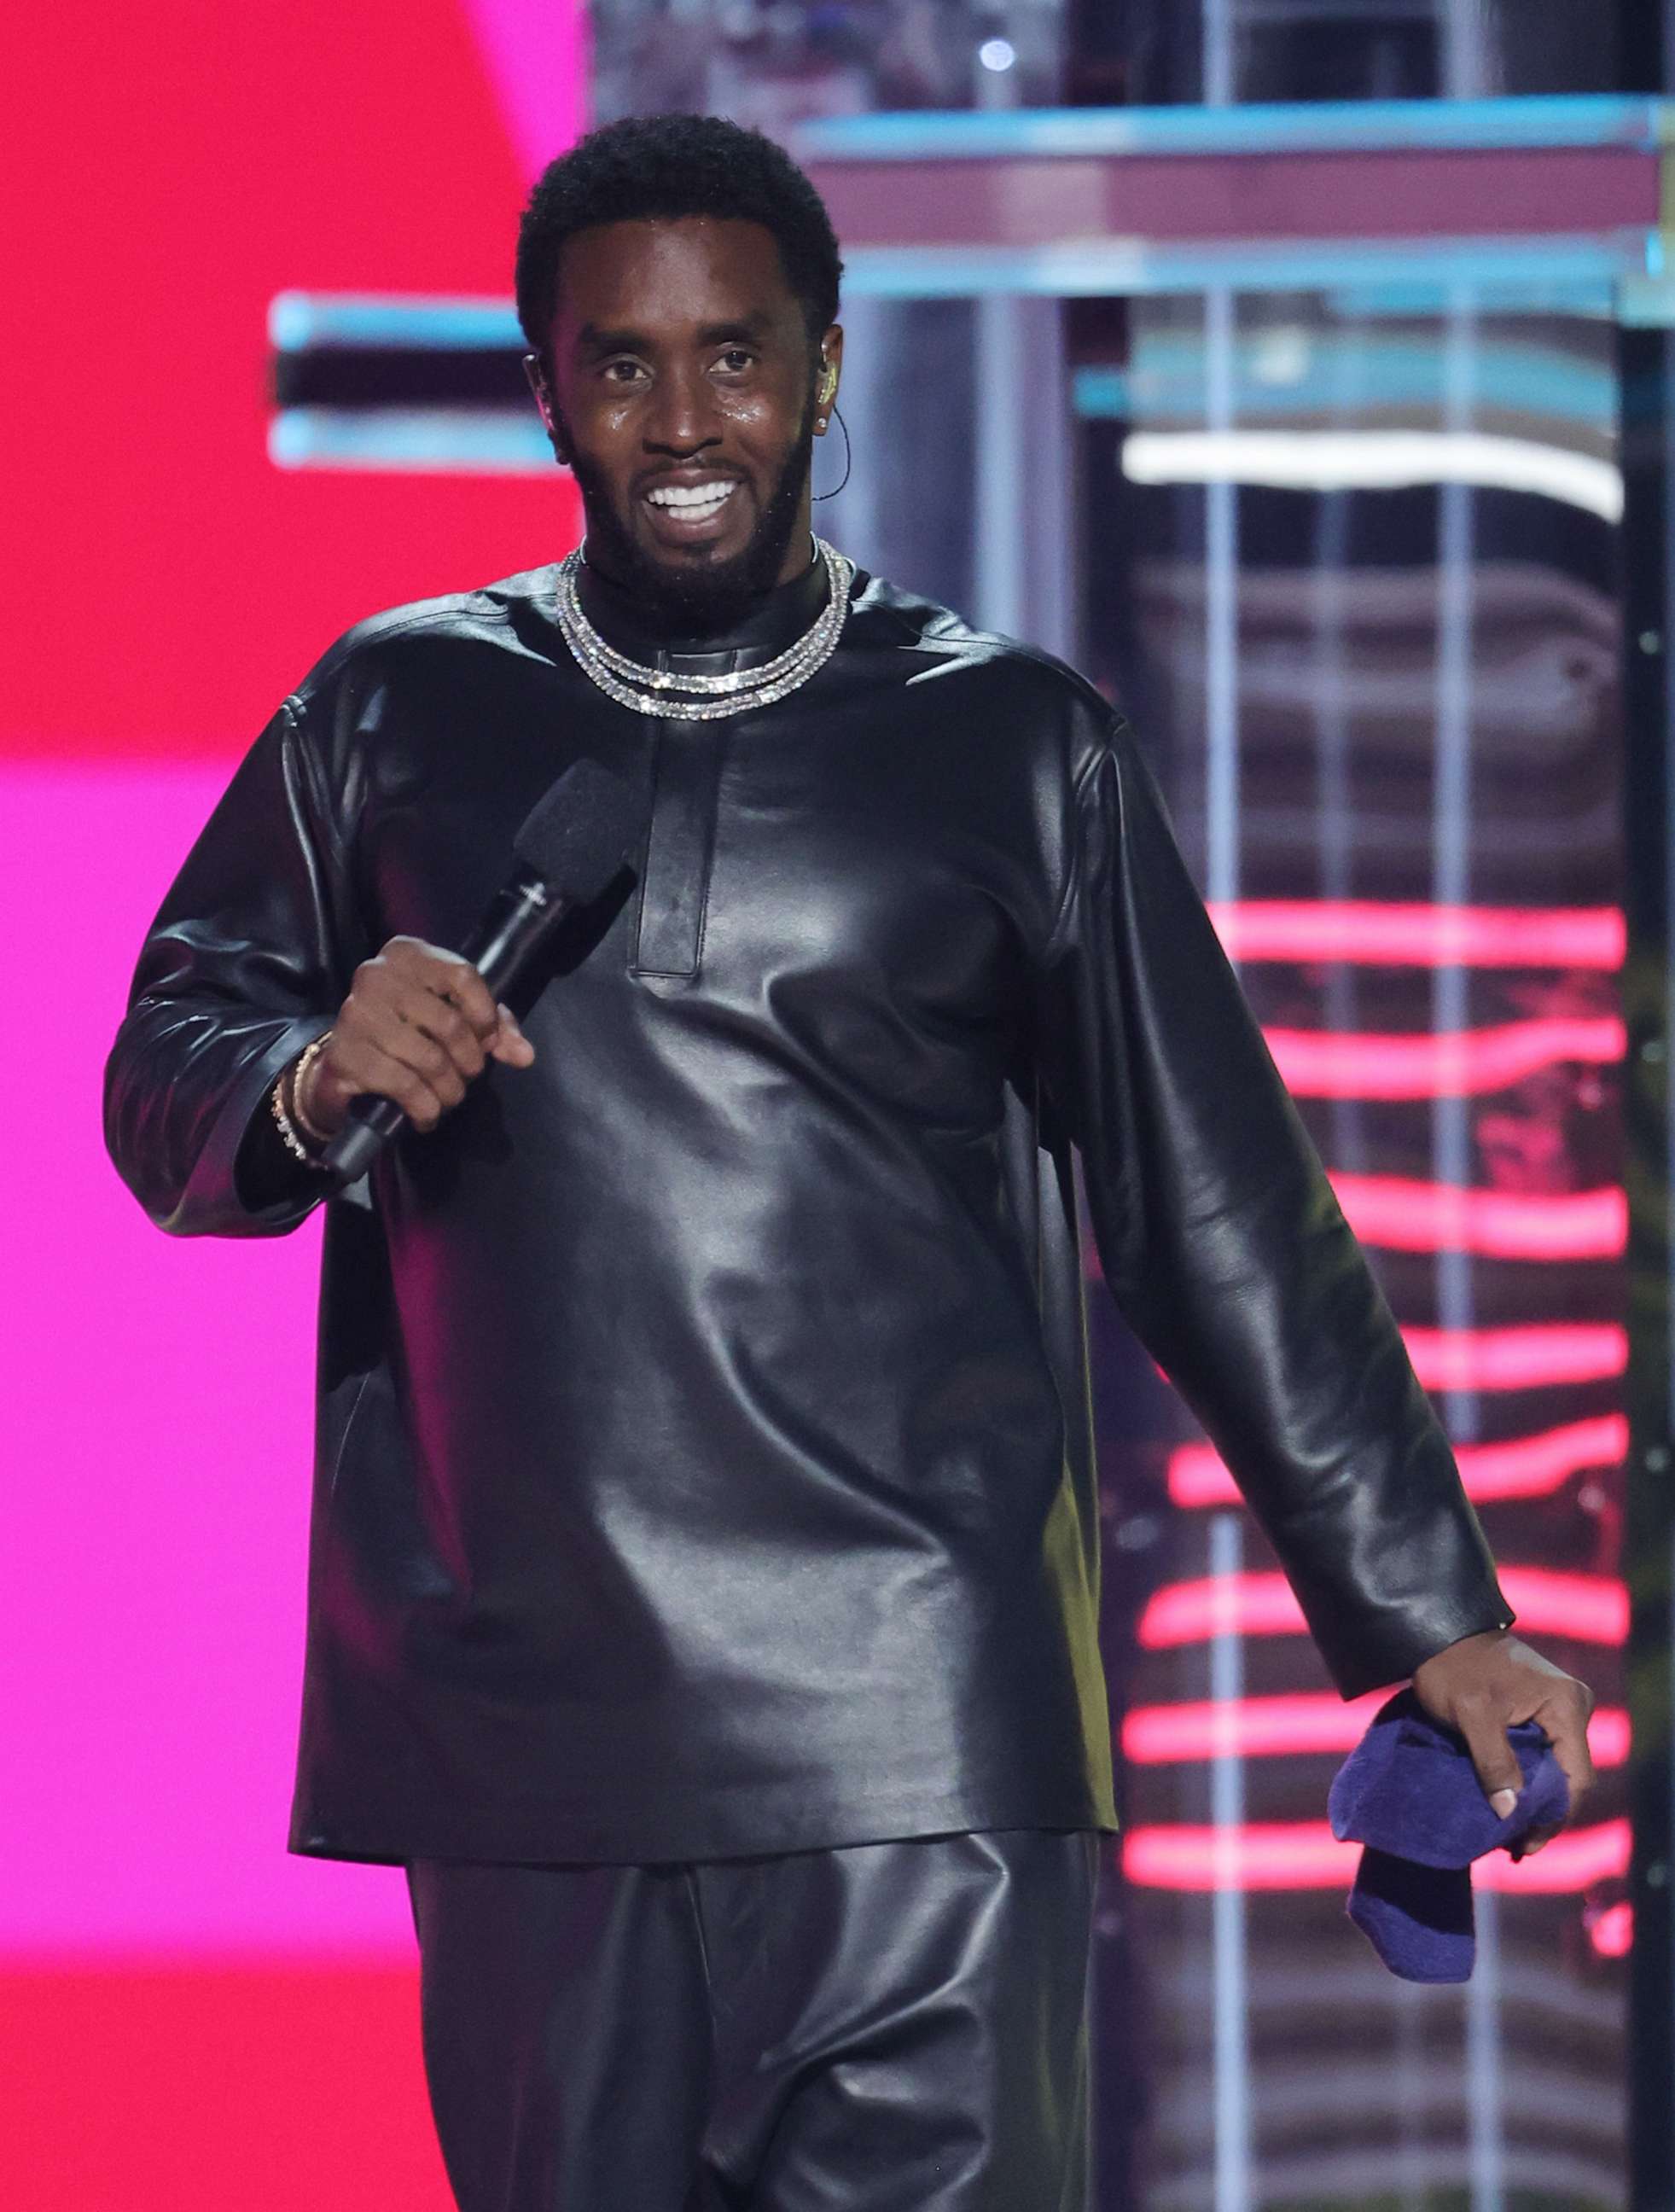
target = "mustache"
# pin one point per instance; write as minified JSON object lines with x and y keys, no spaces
{"x":693,"y":598}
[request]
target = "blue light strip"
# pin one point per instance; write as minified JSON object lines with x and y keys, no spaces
{"x":1597,"y":298}
{"x":478,"y":441}
{"x":298,"y":321}
{"x":1277,"y":127}
{"x":1572,"y":273}
{"x":1131,"y":267}
{"x":1166,"y":380}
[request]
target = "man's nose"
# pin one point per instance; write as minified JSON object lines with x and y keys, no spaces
{"x":682,"y":419}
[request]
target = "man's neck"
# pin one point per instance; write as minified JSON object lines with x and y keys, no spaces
{"x":773,"y":618}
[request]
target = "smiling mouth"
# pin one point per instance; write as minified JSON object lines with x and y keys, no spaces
{"x":692,"y":502}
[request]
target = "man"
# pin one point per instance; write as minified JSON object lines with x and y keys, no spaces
{"x":702,"y":1595}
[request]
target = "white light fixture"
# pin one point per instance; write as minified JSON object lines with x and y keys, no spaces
{"x":997,"y":54}
{"x":1372,"y":460}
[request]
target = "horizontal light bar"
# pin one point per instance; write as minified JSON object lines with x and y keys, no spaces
{"x":1306,"y":1854}
{"x":1399,"y":1215}
{"x":392,"y":321}
{"x":476,"y":441}
{"x":1366,"y":932}
{"x":1300,"y":1725}
{"x":1234,"y":1604}
{"x":1311,"y":370}
{"x":1375,"y":460}
{"x":1504,"y":268}
{"x":1598,"y":298}
{"x":1527,"y":1355}
{"x":1448,"y":1064}
{"x":1255,"y":127}
{"x":1535,"y":1357}
{"x":1585,"y":1609}
{"x":1523,"y":1467}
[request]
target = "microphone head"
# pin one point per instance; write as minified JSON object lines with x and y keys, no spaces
{"x":579,"y":832}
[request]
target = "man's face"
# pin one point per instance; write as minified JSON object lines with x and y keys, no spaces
{"x":685,"y":396}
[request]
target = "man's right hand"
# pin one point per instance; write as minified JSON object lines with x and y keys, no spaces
{"x":417,"y":1025}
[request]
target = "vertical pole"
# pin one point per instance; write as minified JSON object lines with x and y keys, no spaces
{"x":1233,"y":2142}
{"x":1645,"y":386}
{"x":1002,"y":399}
{"x":1234,"y":2138}
{"x":1646,"y":379}
{"x":1221,"y":614}
{"x":1023,"y":575}
{"x":1450,"y":817}
{"x":1465,"y":74}
{"x":1221,"y":528}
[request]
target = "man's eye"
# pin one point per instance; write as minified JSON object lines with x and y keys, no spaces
{"x":622,"y":372}
{"x":737,"y":359}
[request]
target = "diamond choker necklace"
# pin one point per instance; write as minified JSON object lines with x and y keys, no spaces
{"x":681,"y":698}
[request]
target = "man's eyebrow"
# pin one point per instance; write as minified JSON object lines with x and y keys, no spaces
{"x":752,"y":328}
{"x":594,"y":338}
{"x":591,"y":338}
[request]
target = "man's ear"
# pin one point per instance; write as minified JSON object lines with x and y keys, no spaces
{"x":827,"y":369}
{"x":536,"y":376}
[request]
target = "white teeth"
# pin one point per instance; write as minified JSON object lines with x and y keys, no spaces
{"x":698,"y":500}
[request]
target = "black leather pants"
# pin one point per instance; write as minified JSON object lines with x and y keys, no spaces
{"x":893,"y":2027}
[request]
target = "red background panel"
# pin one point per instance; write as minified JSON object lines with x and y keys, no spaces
{"x":231,"y":2089}
{"x":169,"y":169}
{"x":188,"y":2019}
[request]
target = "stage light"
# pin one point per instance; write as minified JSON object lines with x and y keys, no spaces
{"x":1400,"y":1214}
{"x":1450,"y":1064}
{"x":1585,"y":1609}
{"x":1375,"y":460}
{"x":1301,"y":1724}
{"x":1369,"y":933}
{"x":1306,"y":1854}
{"x":997,"y":54}
{"x":1517,"y":1466}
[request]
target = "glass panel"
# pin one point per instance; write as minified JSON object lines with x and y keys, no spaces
{"x":770,"y":65}
{"x":1351,"y":565}
{"x":1159,"y":50}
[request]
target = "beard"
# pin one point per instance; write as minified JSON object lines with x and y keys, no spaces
{"x":693,"y":598}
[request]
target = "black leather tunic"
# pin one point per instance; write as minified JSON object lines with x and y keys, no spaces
{"x":704,"y":1463}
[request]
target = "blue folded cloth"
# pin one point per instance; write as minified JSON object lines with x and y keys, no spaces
{"x":1409,"y":1794}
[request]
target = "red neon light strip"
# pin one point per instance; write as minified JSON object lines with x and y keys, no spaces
{"x":1530,"y":1357}
{"x":1243,"y":1605}
{"x":1316,"y":1064}
{"x":1308,"y":1721}
{"x":1404,"y":1216}
{"x":1517,"y":1359}
{"x":1369,"y":933}
{"x":1525,"y":1467}
{"x":1306,"y":1854}
{"x":1587,"y":1608}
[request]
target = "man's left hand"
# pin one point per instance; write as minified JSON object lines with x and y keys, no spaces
{"x":1484,"y":1684}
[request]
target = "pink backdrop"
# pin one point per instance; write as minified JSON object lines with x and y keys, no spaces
{"x":188,"y":2016}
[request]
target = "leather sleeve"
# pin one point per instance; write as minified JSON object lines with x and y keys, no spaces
{"x":241,"y":967}
{"x":1224,"y":1245}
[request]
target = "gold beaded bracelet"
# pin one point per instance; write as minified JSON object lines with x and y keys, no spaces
{"x":310,"y":1155}
{"x":299,"y":1074}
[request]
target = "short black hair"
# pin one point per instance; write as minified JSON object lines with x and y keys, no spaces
{"x":662,"y":167}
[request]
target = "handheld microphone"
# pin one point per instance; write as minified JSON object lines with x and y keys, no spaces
{"x":573,"y":841}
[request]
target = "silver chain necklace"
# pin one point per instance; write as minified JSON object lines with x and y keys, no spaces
{"x":675,"y":697}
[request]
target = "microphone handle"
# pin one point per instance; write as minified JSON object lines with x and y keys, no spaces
{"x":510,"y":932}
{"x":369,"y":1126}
